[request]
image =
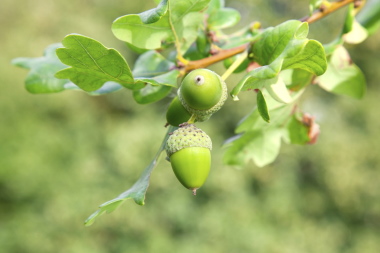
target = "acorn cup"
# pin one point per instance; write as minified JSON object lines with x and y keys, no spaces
{"x":188,"y":150}
{"x":202,"y":93}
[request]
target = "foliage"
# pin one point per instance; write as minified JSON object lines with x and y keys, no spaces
{"x":178,"y":36}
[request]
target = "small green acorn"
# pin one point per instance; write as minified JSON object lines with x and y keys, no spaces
{"x":176,"y":113}
{"x":188,"y":150}
{"x":202,"y":93}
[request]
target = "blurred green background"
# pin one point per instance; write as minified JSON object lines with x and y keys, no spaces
{"x":62,"y":155}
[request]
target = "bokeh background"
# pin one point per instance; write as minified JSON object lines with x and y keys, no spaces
{"x":62,"y":155}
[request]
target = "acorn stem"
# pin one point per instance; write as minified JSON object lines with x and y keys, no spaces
{"x":192,"y":119}
{"x":194,"y":190}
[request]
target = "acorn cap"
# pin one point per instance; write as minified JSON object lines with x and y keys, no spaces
{"x":186,"y":136}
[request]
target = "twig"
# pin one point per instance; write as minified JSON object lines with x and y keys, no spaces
{"x":223,"y":54}
{"x":323,"y":12}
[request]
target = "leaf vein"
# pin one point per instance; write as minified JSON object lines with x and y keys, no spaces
{"x":87,"y":52}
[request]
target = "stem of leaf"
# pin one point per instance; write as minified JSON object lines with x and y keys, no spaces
{"x":177,"y":43}
{"x":235,"y":65}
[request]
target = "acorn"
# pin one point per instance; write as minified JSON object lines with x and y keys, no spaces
{"x":176,"y":113}
{"x":189,"y":151}
{"x":202,"y":93}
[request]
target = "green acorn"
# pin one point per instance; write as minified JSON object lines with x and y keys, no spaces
{"x":202,"y":93}
{"x":188,"y":149}
{"x":176,"y":113}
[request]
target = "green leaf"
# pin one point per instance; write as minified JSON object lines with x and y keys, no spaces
{"x":279,"y":92}
{"x":298,"y":132}
{"x":287,"y":43}
{"x":353,"y":32}
{"x":152,"y":70}
{"x":260,"y":146}
{"x":181,"y":20}
{"x":369,"y":17}
{"x":350,"y":18}
{"x":224,"y":18}
{"x":155,"y":14}
{"x":151,"y":94}
{"x":203,"y":43}
{"x":310,"y":57}
{"x":274,"y":40}
{"x":136,"y":49}
{"x":167,"y":79}
{"x":108,"y":87}
{"x":279,"y":114}
{"x":257,"y":79}
{"x":357,"y":34}
{"x":262,"y":106}
{"x":187,"y":32}
{"x":136,"y":192}
{"x":255,"y":133}
{"x":342,"y":76}
{"x":330,"y":47}
{"x":156,"y":88}
{"x":298,"y":79}
{"x":280,"y":48}
{"x":92,"y":64}
{"x":214,"y":6}
{"x":131,"y":29}
{"x":193,"y":54}
{"x":41,"y":78}
{"x":238,"y":39}
{"x":151,"y":64}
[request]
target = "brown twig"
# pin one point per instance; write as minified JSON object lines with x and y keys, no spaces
{"x":323,"y":12}
{"x":221,"y":55}
{"x":224,"y":54}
